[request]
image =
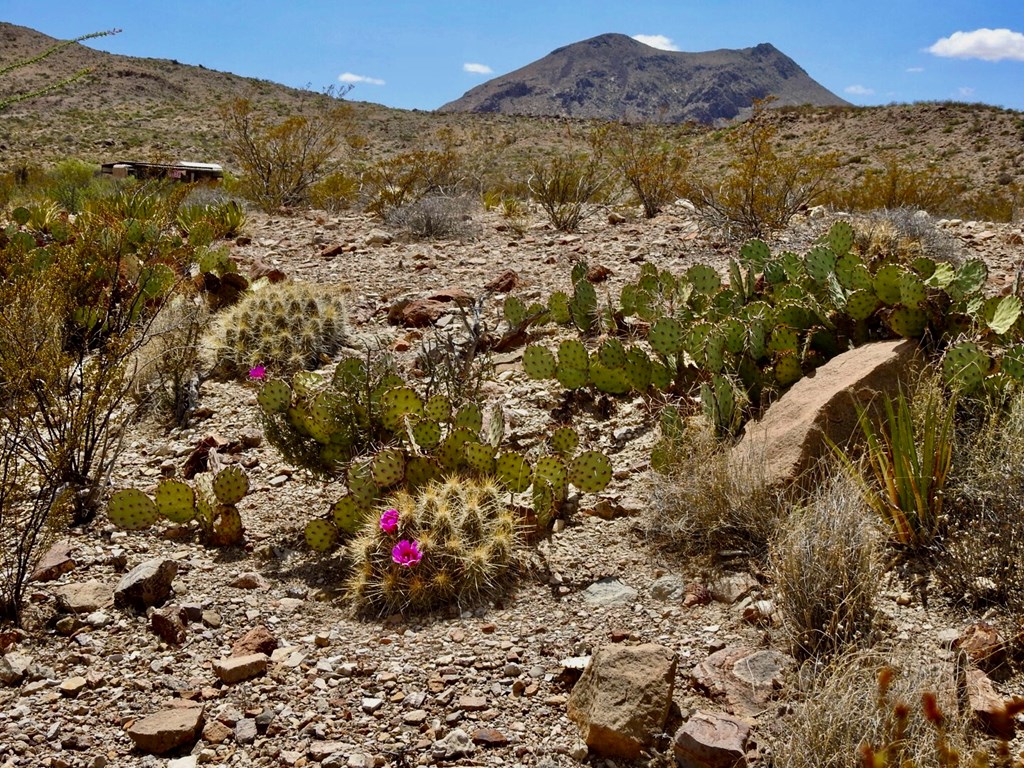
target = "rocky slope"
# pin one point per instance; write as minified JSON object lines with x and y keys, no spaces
{"x":614,"y":77}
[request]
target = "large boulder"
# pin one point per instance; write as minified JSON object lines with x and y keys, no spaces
{"x":793,"y":435}
{"x":621,"y":703}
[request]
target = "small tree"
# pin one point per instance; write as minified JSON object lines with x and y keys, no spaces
{"x":650,"y":160}
{"x":282,"y":160}
{"x":763,"y":188}
{"x":6,"y":101}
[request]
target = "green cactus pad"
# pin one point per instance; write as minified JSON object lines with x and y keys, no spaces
{"x":227,"y":526}
{"x":438,"y":408}
{"x":757,"y":338}
{"x":538,"y":362}
{"x":784,"y":339}
{"x":513,"y":471}
{"x":572,"y":353}
{"x":1012,"y":362}
{"x":388,"y":467}
{"x":348,"y":514}
{"x":349,"y":375}
{"x":230,"y":485}
{"x":860,"y":305}
{"x":175,"y":500}
{"x":583,"y":306}
{"x":613,"y":381}
{"x":714,"y":352}
{"x":591,"y":471}
{"x":420,"y":471}
{"x":398,"y":403}
{"x":612,"y":353}
{"x":907,"y":322}
{"x":558,"y":306}
{"x":840,"y":237}
{"x":666,"y":336}
{"x":819,"y":263}
{"x":970,"y":278}
{"x":775,"y":272}
{"x":274,"y":397}
{"x":544,"y":503}
{"x":965,"y":365}
{"x":450,"y":455}
{"x":661,"y":376}
{"x":495,"y":431}
{"x":787,"y":370}
{"x":426,"y":433}
{"x":321,"y":535}
{"x":306,"y":383}
{"x":734,"y":335}
{"x":704,"y":279}
{"x":886,"y":284}
{"x":638,"y":369}
{"x":1002,"y":314}
{"x":552,"y":470}
{"x":132,"y":510}
{"x":360,"y":483}
{"x":912,"y":289}
{"x":941,"y":274}
{"x":564,"y":441}
{"x":480,"y":457}
{"x":156,"y":280}
{"x":470,"y":417}
{"x":755,"y":254}
{"x":852,"y":273}
{"x":515,"y":311}
{"x":792,"y":316}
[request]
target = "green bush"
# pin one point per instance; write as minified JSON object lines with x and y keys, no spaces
{"x":649,"y":158}
{"x":567,"y":188}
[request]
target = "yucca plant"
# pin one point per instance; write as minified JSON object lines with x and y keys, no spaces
{"x":908,"y":459}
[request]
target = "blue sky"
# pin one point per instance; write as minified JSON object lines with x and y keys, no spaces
{"x":419,"y":55}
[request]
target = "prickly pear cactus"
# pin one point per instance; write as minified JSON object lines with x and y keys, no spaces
{"x":590,"y":471}
{"x":321,"y":535}
{"x":176,"y":501}
{"x":132,"y":510}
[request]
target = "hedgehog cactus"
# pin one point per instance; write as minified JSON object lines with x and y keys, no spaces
{"x":466,"y":538}
{"x":285,"y":326}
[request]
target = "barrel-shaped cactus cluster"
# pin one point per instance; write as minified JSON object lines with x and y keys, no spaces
{"x":451,"y":542}
{"x":211,"y":503}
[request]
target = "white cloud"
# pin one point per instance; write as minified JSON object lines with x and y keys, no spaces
{"x":477,"y":69}
{"x":965,"y":92}
{"x":657,"y":41}
{"x":986,"y":44}
{"x":858,"y":90}
{"x":915,"y":70}
{"x":348,"y":77}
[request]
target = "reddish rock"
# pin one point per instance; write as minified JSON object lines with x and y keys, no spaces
{"x":745,"y":678}
{"x":55,"y":563}
{"x":598,"y":273}
{"x":489,"y":737}
{"x":235,"y":669}
{"x":622,"y":700}
{"x":147,"y":584}
{"x":256,"y":640}
{"x":983,"y":645}
{"x":794,"y":432}
{"x":163,"y":731}
{"x":452,"y":294}
{"x":504,"y":282}
{"x":988,"y":706}
{"x":416,"y":313}
{"x":711,"y":740}
{"x":216,"y":732}
{"x":169,"y":624}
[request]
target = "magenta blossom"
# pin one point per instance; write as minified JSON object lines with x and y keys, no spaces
{"x":256,"y":373}
{"x":389,"y":521}
{"x":406,"y":553}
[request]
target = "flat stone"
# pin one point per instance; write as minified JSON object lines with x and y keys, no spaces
{"x":259,"y":639}
{"x":73,"y":686}
{"x":245,"y":730}
{"x":55,"y":563}
{"x":472,"y":703}
{"x":248,"y":580}
{"x":145,"y":585}
{"x":711,"y":740}
{"x":669,"y":588}
{"x":609,"y":591}
{"x":745,"y":678}
{"x":489,"y":737}
{"x":732,"y":587}
{"x":84,"y":597}
{"x":415,"y":717}
{"x":189,"y":761}
{"x":235,"y":669}
{"x":216,"y":732}
{"x":988,"y":706}
{"x":163,"y":731}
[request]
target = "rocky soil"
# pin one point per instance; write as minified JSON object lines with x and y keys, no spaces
{"x":487,"y":686}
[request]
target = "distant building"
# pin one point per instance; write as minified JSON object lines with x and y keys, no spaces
{"x":188,"y":172}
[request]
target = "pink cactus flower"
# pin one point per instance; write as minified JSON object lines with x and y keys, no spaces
{"x":257,"y":373}
{"x":406,"y":553}
{"x":389,"y":521}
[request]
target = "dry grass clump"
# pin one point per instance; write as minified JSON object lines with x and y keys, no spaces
{"x":826,"y":567}
{"x":433,"y":217}
{"x":703,"y":503}
{"x":980,"y":560}
{"x":866,"y":702}
{"x":904,"y":233}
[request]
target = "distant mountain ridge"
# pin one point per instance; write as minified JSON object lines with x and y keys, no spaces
{"x":615,"y":77}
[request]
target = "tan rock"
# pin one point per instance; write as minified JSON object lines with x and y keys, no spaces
{"x":85,"y":597}
{"x":163,"y":731}
{"x":988,"y":706}
{"x":622,"y":700}
{"x":711,"y":740}
{"x":791,"y":437}
{"x":744,"y":678}
{"x":55,"y":563}
{"x":235,"y":669}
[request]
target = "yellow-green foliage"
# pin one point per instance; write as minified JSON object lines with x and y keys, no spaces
{"x":468,"y":537}
{"x":566,"y":187}
{"x":650,"y":159}
{"x":285,"y":327}
{"x":336,"y":192}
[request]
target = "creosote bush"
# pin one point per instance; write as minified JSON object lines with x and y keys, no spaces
{"x":449,"y":544}
{"x":284,"y":327}
{"x":826,"y":569}
{"x":702,"y":503}
{"x":568,"y":188}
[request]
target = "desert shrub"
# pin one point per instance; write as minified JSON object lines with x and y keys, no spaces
{"x":907,"y":461}
{"x":898,"y":184}
{"x":404,"y":178}
{"x":567,"y":188}
{"x":826,"y":571}
{"x":433,"y":217}
{"x":763,"y":187}
{"x":865,"y":701}
{"x":283,"y":327}
{"x":979,"y":561}
{"x":281,"y":160}
{"x":338,"y":191}
{"x":703,"y":502}
{"x":649,"y":159}
{"x":448,"y":544}
{"x":71,"y":183}
{"x":203,"y":223}
{"x":902,"y":235}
